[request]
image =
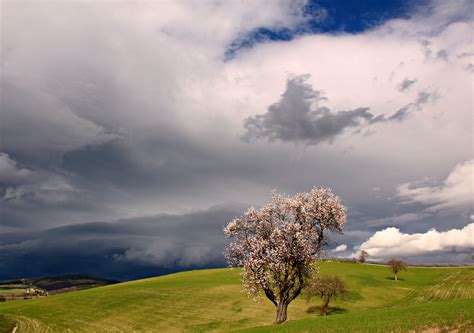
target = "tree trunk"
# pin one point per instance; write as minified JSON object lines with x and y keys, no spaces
{"x":324,"y":308}
{"x":281,"y":312}
{"x":396,"y":279}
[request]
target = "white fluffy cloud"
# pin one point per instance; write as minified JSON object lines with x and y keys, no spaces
{"x":456,"y":191}
{"x":340,"y":248}
{"x":390,"y":242}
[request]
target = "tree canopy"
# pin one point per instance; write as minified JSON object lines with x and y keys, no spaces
{"x":397,"y":265}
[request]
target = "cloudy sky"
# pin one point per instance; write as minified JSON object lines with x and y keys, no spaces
{"x":132,"y":132}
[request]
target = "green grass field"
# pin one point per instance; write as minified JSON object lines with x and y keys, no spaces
{"x":213,"y":300}
{"x":12,"y":291}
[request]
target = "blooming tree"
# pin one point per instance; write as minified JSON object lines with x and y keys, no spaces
{"x":277,"y":244}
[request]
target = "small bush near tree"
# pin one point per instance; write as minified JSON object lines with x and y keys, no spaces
{"x":397,"y":265}
{"x":327,"y":288}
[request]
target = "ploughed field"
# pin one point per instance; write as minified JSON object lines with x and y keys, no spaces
{"x":432,"y":299}
{"x":50,"y":285}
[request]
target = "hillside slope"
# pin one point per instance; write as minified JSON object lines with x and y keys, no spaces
{"x":213,"y":300}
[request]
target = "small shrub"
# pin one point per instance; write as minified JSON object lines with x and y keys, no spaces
{"x":327,"y":288}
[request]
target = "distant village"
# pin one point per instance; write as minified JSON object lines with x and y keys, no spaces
{"x":42,"y":287}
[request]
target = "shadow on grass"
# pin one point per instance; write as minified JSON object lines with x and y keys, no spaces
{"x":393,"y":279}
{"x":353,"y":296}
{"x":316,"y":309}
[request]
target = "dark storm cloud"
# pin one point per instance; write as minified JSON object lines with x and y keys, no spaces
{"x":298,"y":116}
{"x":129,"y":248}
{"x":11,"y":173}
{"x":469,"y":68}
{"x":77,"y":144}
{"x":405,"y":84}
{"x":42,"y":124}
{"x":104,"y":117}
{"x":99,"y":142}
{"x":398,"y":220}
{"x":50,"y":194}
{"x":406,"y":110}
{"x":148,"y":246}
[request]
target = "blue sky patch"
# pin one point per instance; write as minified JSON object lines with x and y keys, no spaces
{"x":329,"y":16}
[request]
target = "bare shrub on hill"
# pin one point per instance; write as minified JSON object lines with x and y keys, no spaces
{"x":397,"y":265}
{"x":363,"y":256}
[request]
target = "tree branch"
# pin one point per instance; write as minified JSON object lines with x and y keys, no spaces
{"x":270,"y":295}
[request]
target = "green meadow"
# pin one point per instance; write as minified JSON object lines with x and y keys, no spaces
{"x":433,"y":299}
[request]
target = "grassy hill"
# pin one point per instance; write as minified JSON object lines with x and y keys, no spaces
{"x":213,"y":300}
